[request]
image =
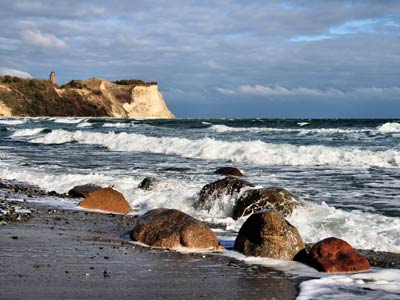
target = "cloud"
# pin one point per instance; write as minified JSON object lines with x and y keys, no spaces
{"x":278,"y":90}
{"x":214,"y":65}
{"x":46,"y":40}
{"x":214,"y":48}
{"x":14,"y":72}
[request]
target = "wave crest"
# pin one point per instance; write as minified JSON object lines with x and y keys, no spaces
{"x":253,"y":152}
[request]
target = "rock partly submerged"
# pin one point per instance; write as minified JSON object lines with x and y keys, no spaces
{"x":227,"y":186}
{"x":268,"y":234}
{"x":171,"y":228}
{"x":81,"y":98}
{"x":247,"y":198}
{"x":148,"y":183}
{"x":82,"y":191}
{"x":106,"y":199}
{"x":266,"y":198}
{"x":229,"y":171}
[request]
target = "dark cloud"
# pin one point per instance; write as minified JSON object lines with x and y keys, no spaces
{"x":198,"y":49}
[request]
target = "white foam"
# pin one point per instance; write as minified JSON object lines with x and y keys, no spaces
{"x":12,"y":121}
{"x":84,"y":124}
{"x":301,"y":124}
{"x":379,"y":284}
{"x":27,"y":132}
{"x":390,"y":127}
{"x":362,"y":230}
{"x":60,"y":183}
{"x":68,"y":120}
{"x":321,"y":131}
{"x":254,"y":152}
{"x":117,"y":125}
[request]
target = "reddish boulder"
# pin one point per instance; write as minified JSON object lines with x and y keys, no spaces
{"x":81,"y":191}
{"x":230,"y":171}
{"x":171,"y":228}
{"x":336,"y":255}
{"x":266,"y":198}
{"x":106,"y":199}
{"x":268,"y":234}
{"x":223,"y":187}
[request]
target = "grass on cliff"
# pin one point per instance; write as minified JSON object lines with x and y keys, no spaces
{"x":37,"y":97}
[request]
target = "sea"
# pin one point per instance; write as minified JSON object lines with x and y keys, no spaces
{"x":347,"y":172}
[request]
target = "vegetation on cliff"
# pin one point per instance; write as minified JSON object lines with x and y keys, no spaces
{"x":78,"y":98}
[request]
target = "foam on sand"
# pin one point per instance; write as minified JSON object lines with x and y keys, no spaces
{"x":379,"y":284}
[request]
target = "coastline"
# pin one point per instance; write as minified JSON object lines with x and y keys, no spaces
{"x":58,"y":253}
{"x":65,"y":254}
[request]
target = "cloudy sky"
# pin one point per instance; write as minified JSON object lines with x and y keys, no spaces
{"x":290,"y":59}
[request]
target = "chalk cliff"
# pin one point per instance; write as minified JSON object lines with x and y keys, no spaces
{"x":87,"y":98}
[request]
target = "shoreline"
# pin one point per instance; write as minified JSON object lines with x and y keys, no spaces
{"x":67,"y":254}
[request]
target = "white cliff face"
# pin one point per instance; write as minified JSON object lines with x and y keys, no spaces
{"x":147,"y":102}
{"x":91,"y":97}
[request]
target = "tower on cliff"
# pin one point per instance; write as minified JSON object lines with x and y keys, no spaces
{"x":52,"y":77}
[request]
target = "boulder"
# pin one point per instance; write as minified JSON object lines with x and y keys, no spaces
{"x":268,"y":234}
{"x":229,"y":171}
{"x":336,"y":255}
{"x":223,"y":187}
{"x":81,"y":191}
{"x":106,"y":199}
{"x":267,"y":198}
{"x":148,"y":183}
{"x":171,"y":228}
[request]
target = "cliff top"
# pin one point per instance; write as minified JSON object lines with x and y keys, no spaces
{"x":86,"y":83}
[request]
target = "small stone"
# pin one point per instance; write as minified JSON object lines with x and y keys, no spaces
{"x":106,"y":274}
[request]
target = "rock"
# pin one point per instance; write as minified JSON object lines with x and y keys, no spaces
{"x":148,"y":184}
{"x":267,"y":198}
{"x":268,"y":234}
{"x":229,"y":171}
{"x":171,"y":228}
{"x":106,"y":199}
{"x":336,"y":255}
{"x":214,"y":190}
{"x":81,"y":191}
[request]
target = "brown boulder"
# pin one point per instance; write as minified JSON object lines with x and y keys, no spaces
{"x":81,"y":191}
{"x":336,"y":255}
{"x":106,"y":199}
{"x":267,"y":198}
{"x":268,"y":234}
{"x":223,"y":187}
{"x":230,"y":171}
{"x":171,"y":228}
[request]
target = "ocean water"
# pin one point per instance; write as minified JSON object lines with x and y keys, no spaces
{"x":346,"y":171}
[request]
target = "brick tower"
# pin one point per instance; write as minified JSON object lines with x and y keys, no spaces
{"x":52,"y":77}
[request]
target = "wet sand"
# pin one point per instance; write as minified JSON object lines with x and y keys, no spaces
{"x":61,"y":254}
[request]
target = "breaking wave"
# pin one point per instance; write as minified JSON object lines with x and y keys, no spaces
{"x":390,"y":127}
{"x":253,"y":152}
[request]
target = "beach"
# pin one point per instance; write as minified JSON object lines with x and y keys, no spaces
{"x":342,"y":175}
{"x":63,"y":254}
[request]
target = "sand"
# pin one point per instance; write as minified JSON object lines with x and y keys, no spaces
{"x":61,"y":254}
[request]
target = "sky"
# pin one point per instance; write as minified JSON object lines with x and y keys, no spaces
{"x":215,"y":59}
